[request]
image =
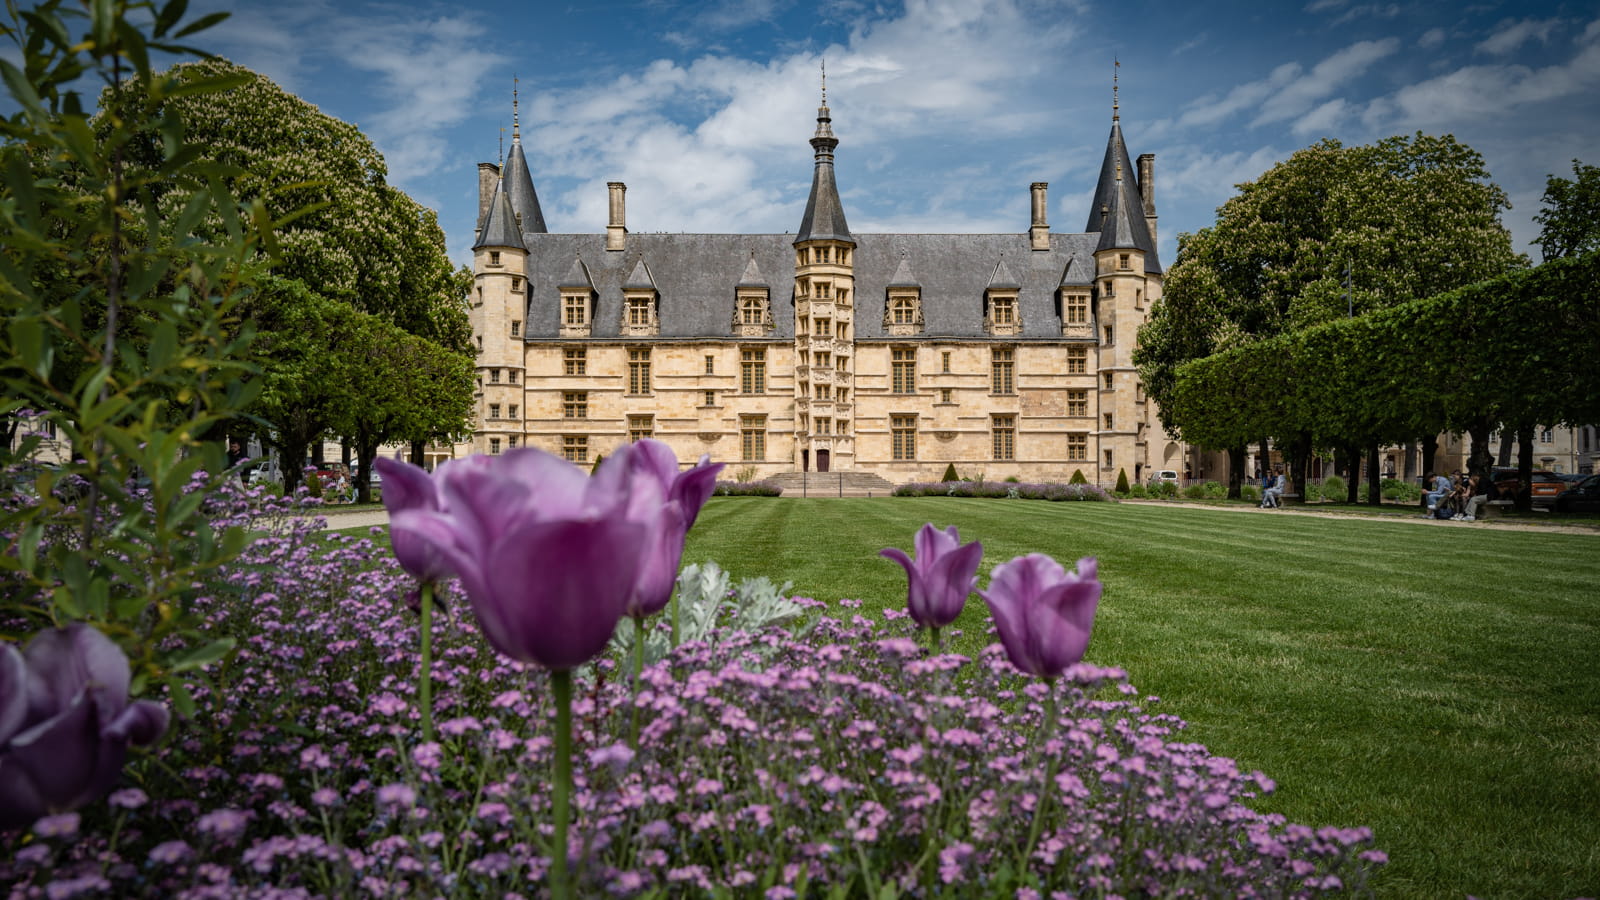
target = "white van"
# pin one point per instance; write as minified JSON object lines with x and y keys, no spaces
{"x":1166,"y":476}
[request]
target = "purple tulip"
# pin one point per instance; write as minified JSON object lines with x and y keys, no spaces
{"x":547,"y":555}
{"x":666,"y":502}
{"x":65,"y":722}
{"x":408,"y":489}
{"x":1043,"y":612}
{"x":941,"y":577}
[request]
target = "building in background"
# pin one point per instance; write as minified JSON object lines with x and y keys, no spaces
{"x":825,"y":349}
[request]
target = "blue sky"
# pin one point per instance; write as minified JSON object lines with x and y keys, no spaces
{"x":946,"y":110}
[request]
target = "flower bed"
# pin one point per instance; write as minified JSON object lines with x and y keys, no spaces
{"x":839,"y":754}
{"x":747,"y":489}
{"x":1003,"y":490}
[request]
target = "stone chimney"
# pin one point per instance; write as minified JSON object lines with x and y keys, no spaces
{"x":488,"y":174}
{"x":1147,"y":190}
{"x":617,"y":227}
{"x":1039,"y":231}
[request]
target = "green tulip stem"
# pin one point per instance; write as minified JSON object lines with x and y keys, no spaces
{"x":938,"y":641}
{"x":638,"y":672}
{"x":425,"y":685}
{"x":1047,"y":727}
{"x":675,"y":595}
{"x":561,"y":793}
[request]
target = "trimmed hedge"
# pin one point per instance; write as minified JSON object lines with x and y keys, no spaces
{"x":1054,"y":491}
{"x":746,"y":489}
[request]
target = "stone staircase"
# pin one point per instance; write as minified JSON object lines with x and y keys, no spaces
{"x":832,"y":484}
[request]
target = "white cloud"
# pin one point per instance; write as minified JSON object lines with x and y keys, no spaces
{"x":1322,"y":121}
{"x":1317,"y":6}
{"x":1290,"y":91}
{"x":1511,"y":35}
{"x":1431,"y":38}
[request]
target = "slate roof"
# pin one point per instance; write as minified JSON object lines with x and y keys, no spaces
{"x":1129,"y":200}
{"x":697,"y":276}
{"x":499,"y":226}
{"x":519,"y":185}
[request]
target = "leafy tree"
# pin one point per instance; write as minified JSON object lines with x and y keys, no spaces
{"x":402,"y":388}
{"x":1570,"y":220}
{"x":1397,"y":220}
{"x":116,"y":333}
{"x":346,"y":233}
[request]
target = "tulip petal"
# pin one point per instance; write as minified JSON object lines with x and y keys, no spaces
{"x":142,"y":723}
{"x":1064,"y":617}
{"x":20,"y":803}
{"x":406,"y":486}
{"x":425,"y":542}
{"x":660,"y":556}
{"x":62,"y":662}
{"x":63,"y":756}
{"x":952,"y":578}
{"x":558,"y":588}
{"x":13,"y":691}
{"x":694,"y":487}
{"x":654,"y":459}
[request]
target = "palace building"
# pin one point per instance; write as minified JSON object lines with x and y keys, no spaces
{"x":824,"y":350}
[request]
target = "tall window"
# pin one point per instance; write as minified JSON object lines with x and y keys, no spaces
{"x":753,"y":371}
{"x":839,"y":364}
{"x":511,"y":442}
{"x":711,"y":365}
{"x":640,"y":427}
{"x":575,"y":405}
{"x":577,"y":361}
{"x":1077,"y":403}
{"x":1078,"y":447}
{"x":511,"y":375}
{"x":904,"y":431}
{"x":824,"y":426}
{"x":1002,"y":366}
{"x":494,"y":410}
{"x":944,"y":361}
{"x":513,"y":413}
{"x":946,"y":395}
{"x":904,"y":369}
{"x":494,"y":376}
{"x":516,"y":327}
{"x":575,"y":448}
{"x":577,"y":309}
{"x":638,"y":310}
{"x":711,"y":398}
{"x":1108,"y":421}
{"x":822,"y":359}
{"x":1111,"y":336}
{"x":1005,"y":437}
{"x":903,"y":309}
{"x":1003,"y":310}
{"x":1547,"y":436}
{"x":1077,"y":360}
{"x":494,"y":257}
{"x":638,"y":370}
{"x":1076,"y":311}
{"x":1122,"y":261}
{"x":1107,"y":459}
{"x":1108,"y":379}
{"x":494,"y":446}
{"x":516,"y":284}
{"x":753,"y":438}
{"x":841,"y":330}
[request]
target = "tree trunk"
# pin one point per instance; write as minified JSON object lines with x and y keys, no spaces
{"x":1299,"y":459}
{"x":366,"y":452}
{"x":419,"y":453}
{"x":1482,"y":460}
{"x":291,"y":454}
{"x":1374,"y":477}
{"x":1235,"y":471}
{"x":1430,"y":449}
{"x":1525,"y":467}
{"x":1410,"y":472}
{"x":1508,"y":439}
{"x":1352,"y":475}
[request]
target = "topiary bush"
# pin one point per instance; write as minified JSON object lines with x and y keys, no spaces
{"x":950,"y":473}
{"x":1077,"y":477}
{"x":1122,"y":481}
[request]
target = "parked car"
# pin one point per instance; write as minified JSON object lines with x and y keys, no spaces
{"x":1547,"y":486}
{"x":1581,"y":497}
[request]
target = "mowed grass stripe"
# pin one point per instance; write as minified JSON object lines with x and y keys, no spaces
{"x":1436,"y":683}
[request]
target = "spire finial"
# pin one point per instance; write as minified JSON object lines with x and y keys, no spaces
{"x":500,"y":155}
{"x":824,"y":82}
{"x":516,"y":126}
{"x":1116,"y":69}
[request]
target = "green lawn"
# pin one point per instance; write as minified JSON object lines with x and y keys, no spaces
{"x":1440,"y":684}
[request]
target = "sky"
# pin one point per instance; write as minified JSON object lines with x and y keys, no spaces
{"x":945,"y":110}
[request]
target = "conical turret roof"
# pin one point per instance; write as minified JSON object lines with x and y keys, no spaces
{"x":519,"y":187}
{"x":499,"y":224}
{"x":824,"y":218}
{"x":1119,"y":182}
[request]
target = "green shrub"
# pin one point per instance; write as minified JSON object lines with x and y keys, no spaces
{"x":1077,"y":477}
{"x":1194,"y":492}
{"x":1165,"y":490}
{"x":1139,"y":491}
{"x":598,"y":458}
{"x":1250,"y":492}
{"x":1213,"y":490}
{"x":1012,"y":479}
{"x":1333,"y":488}
{"x":950,"y":473}
{"x":1122,"y":481}
{"x":1400,"y":491}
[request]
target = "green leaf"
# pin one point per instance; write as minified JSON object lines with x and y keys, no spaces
{"x":168,"y":16}
{"x":21,"y":88}
{"x":205,"y":655}
{"x":182,"y":699}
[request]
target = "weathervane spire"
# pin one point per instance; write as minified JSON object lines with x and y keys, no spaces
{"x":824,"y":82}
{"x":516,"y":126}
{"x":1116,"y":69}
{"x":500,"y":154}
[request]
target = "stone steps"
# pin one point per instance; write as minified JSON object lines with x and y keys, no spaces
{"x":832,"y":484}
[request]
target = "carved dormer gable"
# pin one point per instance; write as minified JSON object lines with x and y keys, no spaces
{"x":1002,"y":314}
{"x":752,"y":303}
{"x":641,"y":303}
{"x":577,"y":300}
{"x":1074,"y":304}
{"x":902,"y":306}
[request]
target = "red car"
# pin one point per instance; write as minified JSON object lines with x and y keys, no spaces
{"x":1547,"y":486}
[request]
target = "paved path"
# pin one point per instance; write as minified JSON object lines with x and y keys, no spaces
{"x":363,"y":517}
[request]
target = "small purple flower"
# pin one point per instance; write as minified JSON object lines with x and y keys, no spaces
{"x":62,"y":825}
{"x":169,"y":852}
{"x":223,"y":824}
{"x":396,"y":796}
{"x":1044,"y":613}
{"x":941,"y":577}
{"x":65,"y":722}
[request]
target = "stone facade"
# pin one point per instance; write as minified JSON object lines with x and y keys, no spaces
{"x":824,"y":350}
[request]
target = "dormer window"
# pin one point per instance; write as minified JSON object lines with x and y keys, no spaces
{"x":1074,"y":309}
{"x":903,"y":314}
{"x":1003,"y":318}
{"x":576,"y":308}
{"x":638,"y":311}
{"x":752,"y":312}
